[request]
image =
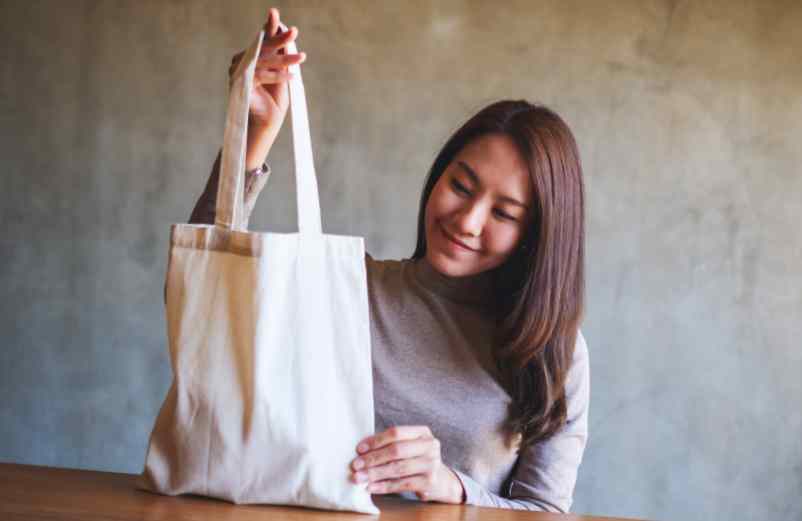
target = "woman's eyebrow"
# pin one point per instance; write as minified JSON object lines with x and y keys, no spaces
{"x":475,"y":178}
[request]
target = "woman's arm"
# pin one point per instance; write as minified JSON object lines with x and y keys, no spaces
{"x":269,"y":102}
{"x":205,"y":207}
{"x":545,"y":473}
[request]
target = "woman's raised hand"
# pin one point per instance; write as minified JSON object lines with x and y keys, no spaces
{"x":270,"y":96}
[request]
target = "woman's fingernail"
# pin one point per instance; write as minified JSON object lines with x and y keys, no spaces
{"x":360,"y":477}
{"x":358,"y":463}
{"x":362,"y":447}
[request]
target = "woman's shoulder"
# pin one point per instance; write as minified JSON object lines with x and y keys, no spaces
{"x":387,"y":277}
{"x":384,"y":265}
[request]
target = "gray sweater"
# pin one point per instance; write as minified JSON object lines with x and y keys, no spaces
{"x":432,"y":365}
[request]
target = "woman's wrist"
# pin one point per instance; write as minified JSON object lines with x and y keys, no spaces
{"x":260,"y":139}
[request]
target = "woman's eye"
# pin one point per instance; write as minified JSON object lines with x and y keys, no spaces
{"x":459,"y":187}
{"x":505,"y":216}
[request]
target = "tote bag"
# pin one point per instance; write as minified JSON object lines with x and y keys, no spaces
{"x":269,"y":344}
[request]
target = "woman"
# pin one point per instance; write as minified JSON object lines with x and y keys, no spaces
{"x":481,"y":376}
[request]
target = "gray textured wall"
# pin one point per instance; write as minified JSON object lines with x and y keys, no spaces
{"x":688,"y":116}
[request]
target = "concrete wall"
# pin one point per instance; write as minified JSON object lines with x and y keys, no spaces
{"x":689,"y":119}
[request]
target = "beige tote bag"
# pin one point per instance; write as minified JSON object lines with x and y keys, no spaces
{"x":269,"y":344}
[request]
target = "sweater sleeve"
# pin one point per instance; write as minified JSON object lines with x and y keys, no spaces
{"x":205,"y":207}
{"x":545,"y":474}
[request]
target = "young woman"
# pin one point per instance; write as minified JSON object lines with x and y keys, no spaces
{"x":481,"y":375}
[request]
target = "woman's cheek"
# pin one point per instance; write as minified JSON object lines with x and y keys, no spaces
{"x":503,"y":239}
{"x":448,"y":201}
{"x":439,"y":202}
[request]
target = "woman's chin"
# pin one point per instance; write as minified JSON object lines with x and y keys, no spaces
{"x":449,"y":265}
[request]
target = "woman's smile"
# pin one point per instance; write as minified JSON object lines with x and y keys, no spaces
{"x":455,"y":244}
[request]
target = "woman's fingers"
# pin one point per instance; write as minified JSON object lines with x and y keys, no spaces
{"x":271,"y":24}
{"x":281,"y":60}
{"x":415,"y":483}
{"x":278,"y":42}
{"x":395,"y":433}
{"x":273,"y":60}
{"x":394,"y":470}
{"x":395,"y":451}
{"x":276,"y":39}
{"x":270,"y":61}
{"x":266,"y":76}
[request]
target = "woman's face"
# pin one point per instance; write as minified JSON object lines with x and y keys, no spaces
{"x":483,"y":200}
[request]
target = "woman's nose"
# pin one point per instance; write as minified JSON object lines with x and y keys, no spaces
{"x":471,"y":220}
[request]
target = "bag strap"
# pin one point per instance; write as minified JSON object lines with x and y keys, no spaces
{"x":230,"y":203}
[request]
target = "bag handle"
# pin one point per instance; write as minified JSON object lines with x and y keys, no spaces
{"x":230,"y":204}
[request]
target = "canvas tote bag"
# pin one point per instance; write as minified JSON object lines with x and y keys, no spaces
{"x":269,"y":344}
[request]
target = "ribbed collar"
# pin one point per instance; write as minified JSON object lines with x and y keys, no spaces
{"x":474,"y":290}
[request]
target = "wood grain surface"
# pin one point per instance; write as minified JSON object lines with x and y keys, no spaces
{"x":44,"y":493}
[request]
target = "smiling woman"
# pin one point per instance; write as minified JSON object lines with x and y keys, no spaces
{"x":523,"y":222}
{"x":480,"y":374}
{"x":469,"y":211}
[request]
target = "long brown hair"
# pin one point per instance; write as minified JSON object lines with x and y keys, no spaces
{"x":539,"y":290}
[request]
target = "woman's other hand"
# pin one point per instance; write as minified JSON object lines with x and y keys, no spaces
{"x":406,"y":458}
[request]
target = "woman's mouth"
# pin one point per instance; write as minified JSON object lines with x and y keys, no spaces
{"x":455,"y":243}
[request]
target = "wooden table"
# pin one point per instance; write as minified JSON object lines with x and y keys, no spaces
{"x":45,"y":493}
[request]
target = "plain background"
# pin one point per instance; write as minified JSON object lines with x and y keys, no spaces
{"x":689,"y":121}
